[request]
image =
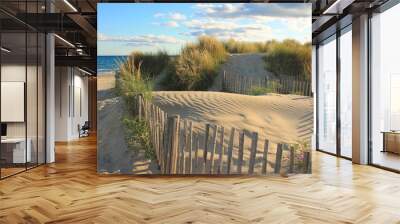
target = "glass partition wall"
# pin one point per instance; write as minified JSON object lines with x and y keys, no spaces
{"x":334,"y":94}
{"x":345,"y":61}
{"x":385,"y":90}
{"x":22,"y":77}
{"x":327,"y":95}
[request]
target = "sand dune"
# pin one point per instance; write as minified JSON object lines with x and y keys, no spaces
{"x":279,"y":118}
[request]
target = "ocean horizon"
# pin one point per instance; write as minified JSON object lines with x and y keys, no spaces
{"x":108,"y":63}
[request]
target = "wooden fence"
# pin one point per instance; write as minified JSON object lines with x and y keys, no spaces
{"x":182,"y":149}
{"x":248,"y":85}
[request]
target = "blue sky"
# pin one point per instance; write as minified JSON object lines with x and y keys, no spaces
{"x":148,"y":27}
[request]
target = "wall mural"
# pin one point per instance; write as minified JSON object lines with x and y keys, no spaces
{"x":213,"y":89}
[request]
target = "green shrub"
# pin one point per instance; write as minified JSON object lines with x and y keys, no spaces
{"x":214,"y":47}
{"x":272,"y":87}
{"x":130,"y":83}
{"x":289,"y":58}
{"x":151,"y":64}
{"x":235,"y":47}
{"x":299,"y":148}
{"x":196,"y":66}
{"x":138,"y":136}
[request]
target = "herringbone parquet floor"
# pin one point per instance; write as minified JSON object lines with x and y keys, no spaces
{"x":70,"y":191}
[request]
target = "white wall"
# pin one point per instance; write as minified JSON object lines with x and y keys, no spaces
{"x":71,"y":94}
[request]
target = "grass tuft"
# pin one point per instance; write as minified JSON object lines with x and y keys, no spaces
{"x":131,"y":83}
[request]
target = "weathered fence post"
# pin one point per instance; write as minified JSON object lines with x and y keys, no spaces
{"x":230,"y":149}
{"x":291,"y":159}
{"x":253,"y":152}
{"x":190,"y":144}
{"x":196,"y":152}
{"x":140,"y":100}
{"x":224,"y":82}
{"x":241,"y":146}
{"x":172,"y":144}
{"x":278,"y":158}
{"x":265,"y":158}
{"x":206,"y":142}
{"x":221,"y":150}
{"x":213,"y":148}
{"x":307,"y":162}
{"x":183,"y":148}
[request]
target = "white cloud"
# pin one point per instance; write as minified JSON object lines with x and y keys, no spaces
{"x":250,"y":22}
{"x":141,"y":40}
{"x":254,"y":10}
{"x":177,"y":16}
{"x":171,"y":24}
{"x":172,"y":15}
{"x":227,"y":29}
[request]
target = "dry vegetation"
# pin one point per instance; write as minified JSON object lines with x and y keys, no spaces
{"x":131,"y":83}
{"x":289,"y":58}
{"x":197,"y":64}
{"x":151,"y":64}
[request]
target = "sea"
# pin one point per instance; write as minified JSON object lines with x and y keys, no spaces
{"x":108,"y":63}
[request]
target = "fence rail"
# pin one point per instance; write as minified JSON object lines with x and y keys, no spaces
{"x":249,"y":85}
{"x":181,"y":149}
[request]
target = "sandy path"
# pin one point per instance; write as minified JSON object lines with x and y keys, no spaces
{"x":114,"y":156}
{"x":251,"y":65}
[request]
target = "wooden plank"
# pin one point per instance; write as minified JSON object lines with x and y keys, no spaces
{"x":253,"y":152}
{"x":190,"y":144}
{"x":291,"y":159}
{"x":196,"y":153}
{"x":240,"y":157}
{"x":213,"y":147}
{"x":183,"y":147}
{"x":206,"y":142}
{"x":139,"y":97}
{"x":307,"y":162}
{"x":278,"y":158}
{"x":174,"y":144}
{"x":167,"y":143}
{"x":162,"y":142}
{"x":265,"y":158}
{"x":224,"y":82}
{"x":230,"y":150}
{"x":221,"y":150}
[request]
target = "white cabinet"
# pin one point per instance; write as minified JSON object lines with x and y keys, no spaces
{"x":19,"y":154}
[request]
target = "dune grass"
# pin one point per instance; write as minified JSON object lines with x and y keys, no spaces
{"x":198,"y":63}
{"x":196,"y":66}
{"x":151,"y":64}
{"x":131,"y":83}
{"x":238,"y":47}
{"x":272,"y":87}
{"x":289,"y":58}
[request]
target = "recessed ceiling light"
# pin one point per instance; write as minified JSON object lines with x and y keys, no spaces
{"x":86,"y":72}
{"x":64,"y":40}
{"x":5,"y":50}
{"x":70,"y":5}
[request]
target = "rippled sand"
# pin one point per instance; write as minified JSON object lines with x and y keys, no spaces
{"x":279,"y":118}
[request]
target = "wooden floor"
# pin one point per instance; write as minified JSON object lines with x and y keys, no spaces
{"x":70,"y":191}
